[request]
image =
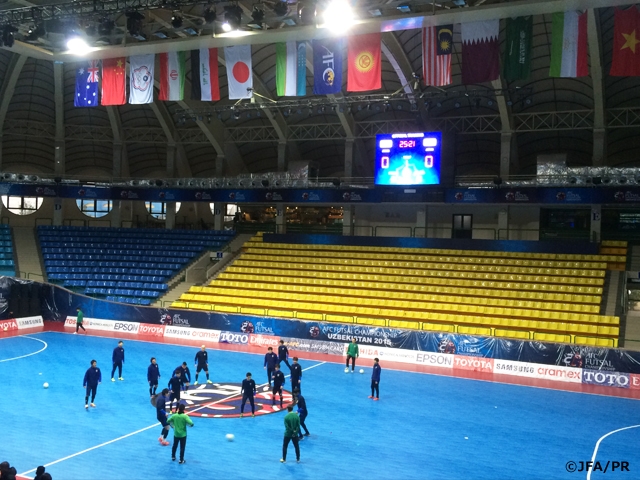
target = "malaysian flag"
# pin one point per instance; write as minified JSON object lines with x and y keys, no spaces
{"x":437,"y":43}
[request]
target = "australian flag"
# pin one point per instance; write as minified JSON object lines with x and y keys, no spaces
{"x":87,"y":84}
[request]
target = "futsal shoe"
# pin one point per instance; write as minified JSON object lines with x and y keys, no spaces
{"x":164,"y":443}
{"x":160,"y":440}
{"x":370,"y":396}
{"x":181,"y":461}
{"x":282,"y":460}
{"x":93,"y":405}
{"x":307,"y":434}
{"x":253,"y":414}
{"x":173,"y":459}
{"x":120,"y":378}
{"x":209,"y":381}
{"x":195,"y":383}
{"x":298,"y":461}
{"x":376,"y":399}
{"x":113,"y":379}
{"x":87,"y":407}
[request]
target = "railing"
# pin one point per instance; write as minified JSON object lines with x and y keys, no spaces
{"x":378,"y":231}
{"x":447,"y":232}
{"x":363,"y":231}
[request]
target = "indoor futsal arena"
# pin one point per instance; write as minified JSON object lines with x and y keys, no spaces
{"x":319,"y":239}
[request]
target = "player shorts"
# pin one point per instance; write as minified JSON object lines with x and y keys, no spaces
{"x":199,"y":368}
{"x":163,"y":420}
{"x":277,"y":389}
{"x":174,"y":396}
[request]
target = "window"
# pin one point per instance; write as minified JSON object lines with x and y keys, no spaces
{"x":22,"y":205}
{"x":159,"y":209}
{"x":94,"y":208}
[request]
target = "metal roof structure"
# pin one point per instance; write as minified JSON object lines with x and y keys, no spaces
{"x":490,"y":129}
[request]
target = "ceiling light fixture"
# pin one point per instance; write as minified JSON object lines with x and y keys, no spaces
{"x":232,"y":18}
{"x":210,"y":15}
{"x":338,"y":16}
{"x":78,"y":46}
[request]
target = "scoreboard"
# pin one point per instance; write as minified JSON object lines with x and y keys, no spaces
{"x":408,"y":158}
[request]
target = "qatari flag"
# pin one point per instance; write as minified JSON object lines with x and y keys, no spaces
{"x":480,"y":51}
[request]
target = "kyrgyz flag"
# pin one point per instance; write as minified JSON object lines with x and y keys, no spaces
{"x":172,"y":73}
{"x":517,"y":55}
{"x":113,"y":81}
{"x":365,"y":65}
{"x":204,"y":75}
{"x":626,"y":37}
{"x":291,"y":69}
{"x":569,"y":45}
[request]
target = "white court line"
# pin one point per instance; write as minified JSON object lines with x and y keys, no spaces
{"x":595,"y":451}
{"x":28,"y":354}
{"x":142,"y":429}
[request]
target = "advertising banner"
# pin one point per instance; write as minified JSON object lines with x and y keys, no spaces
{"x":29,"y":322}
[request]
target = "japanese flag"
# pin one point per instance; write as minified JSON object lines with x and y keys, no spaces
{"x":239,"y":74}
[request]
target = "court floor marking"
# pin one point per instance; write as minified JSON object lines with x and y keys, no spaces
{"x":394,"y":368}
{"x":595,"y":450}
{"x":140,"y":431}
{"x":28,"y":354}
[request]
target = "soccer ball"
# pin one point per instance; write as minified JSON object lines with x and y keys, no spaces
{"x":230,"y":437}
{"x":45,"y":385}
{"x":6,"y":329}
{"x":346,"y":370}
{"x":362,"y":370}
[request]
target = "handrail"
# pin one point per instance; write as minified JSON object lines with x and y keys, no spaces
{"x":398,"y":228}
{"x":35,"y":275}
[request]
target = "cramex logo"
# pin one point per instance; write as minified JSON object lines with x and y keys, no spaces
{"x":222,"y":400}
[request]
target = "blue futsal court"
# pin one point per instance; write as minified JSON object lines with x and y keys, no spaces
{"x":424,"y":426}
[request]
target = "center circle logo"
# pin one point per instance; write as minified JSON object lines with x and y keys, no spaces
{"x":223,"y":400}
{"x":364,"y":61}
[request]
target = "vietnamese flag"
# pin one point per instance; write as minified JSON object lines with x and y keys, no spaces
{"x":626,"y":40}
{"x":365,"y":63}
{"x":113,"y":81}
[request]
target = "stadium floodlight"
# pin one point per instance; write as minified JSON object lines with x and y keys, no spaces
{"x":338,"y":16}
{"x":77,"y":45}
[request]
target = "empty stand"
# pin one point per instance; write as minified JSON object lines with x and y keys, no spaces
{"x":7,"y":265}
{"x":546,"y":297}
{"x":126,"y":265}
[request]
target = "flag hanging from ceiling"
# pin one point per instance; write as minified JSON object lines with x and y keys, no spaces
{"x":141,"y":79}
{"x":626,"y":37}
{"x":364,"y":69}
{"x":517,"y":55}
{"x":87,"y":84}
{"x":204,"y":75}
{"x":239,"y":73}
{"x":480,"y":51}
{"x":327,"y":66}
{"x":113,"y":81}
{"x":569,"y":45}
{"x":172,"y":73}
{"x":437,"y":43}
{"x":291,"y":69}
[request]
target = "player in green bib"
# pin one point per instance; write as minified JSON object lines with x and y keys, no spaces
{"x":352,"y":354}
{"x":179,"y":422}
{"x":79,"y":319}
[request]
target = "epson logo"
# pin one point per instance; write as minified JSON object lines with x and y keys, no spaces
{"x":126,"y":327}
{"x":231,"y":337}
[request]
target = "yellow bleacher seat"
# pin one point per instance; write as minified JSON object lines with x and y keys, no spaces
{"x":604,"y":342}
{"x":178,"y":305}
{"x":200,"y":306}
{"x":310,"y":316}
{"x":378,"y":322}
{"x":225,"y":308}
{"x":252,"y":311}
{"x":279,"y":313}
{"x":339,"y":318}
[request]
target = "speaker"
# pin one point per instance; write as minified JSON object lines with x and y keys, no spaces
{"x":596,"y":180}
{"x":336,"y":182}
{"x":159,"y":183}
{"x":58,"y":179}
{"x":265,"y":182}
{"x":497,"y":181}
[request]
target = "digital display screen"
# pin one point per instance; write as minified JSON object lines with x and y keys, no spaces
{"x":408,"y":158}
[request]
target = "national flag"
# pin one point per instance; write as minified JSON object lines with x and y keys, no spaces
{"x":626,"y":37}
{"x":204,"y":75}
{"x":364,"y":69}
{"x":113,"y":81}
{"x":327,"y":66}
{"x":437,"y":43}
{"x":569,"y":45}
{"x":480,"y":51}
{"x":141,"y":79}
{"x":239,"y":73}
{"x":517,"y":55}
{"x":172,"y":73}
{"x":291,"y":69}
{"x":87,"y":84}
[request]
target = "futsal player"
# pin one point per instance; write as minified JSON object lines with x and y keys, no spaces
{"x":202,"y":363}
{"x":79,"y":320}
{"x":283,"y":354}
{"x":92,"y":378}
{"x":117,"y":357}
{"x":278,"y":381}
{"x":375,"y":380}
{"x":153,"y":374}
{"x":352,"y":353}
{"x":296,"y":375}
{"x":248,"y":390}
{"x":302,"y":412}
{"x":179,"y":423}
{"x":175,"y":385}
{"x":291,"y":431}
{"x":161,"y":414}
{"x":185,"y":375}
{"x":270,"y":362}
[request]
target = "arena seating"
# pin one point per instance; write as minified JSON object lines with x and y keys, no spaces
{"x":547,"y":297}
{"x":129,"y":265}
{"x":7,"y":265}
